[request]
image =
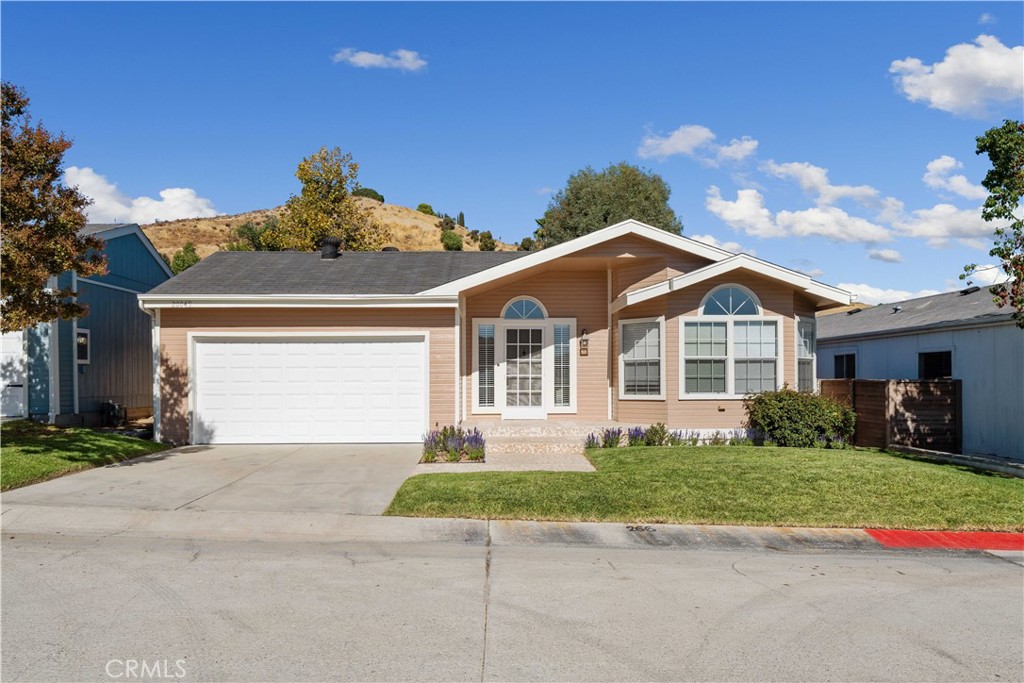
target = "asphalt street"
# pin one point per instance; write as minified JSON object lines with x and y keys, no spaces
{"x":79,"y":606}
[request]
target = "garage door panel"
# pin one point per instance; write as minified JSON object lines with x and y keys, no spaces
{"x":301,"y":391}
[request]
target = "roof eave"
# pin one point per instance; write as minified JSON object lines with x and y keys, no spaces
{"x":917,"y":329}
{"x":155,"y":301}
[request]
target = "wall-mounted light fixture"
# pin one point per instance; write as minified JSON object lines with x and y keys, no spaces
{"x":584,"y":342}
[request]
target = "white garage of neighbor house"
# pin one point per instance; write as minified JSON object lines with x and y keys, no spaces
{"x":959,"y":335}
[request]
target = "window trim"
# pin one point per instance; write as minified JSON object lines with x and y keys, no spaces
{"x":88,"y":346}
{"x":730,"y":362}
{"x":508,"y":304}
{"x":662,"y":360}
{"x":729,"y":285}
{"x":814,"y":351}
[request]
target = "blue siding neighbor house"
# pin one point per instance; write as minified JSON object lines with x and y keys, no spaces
{"x":64,"y":371}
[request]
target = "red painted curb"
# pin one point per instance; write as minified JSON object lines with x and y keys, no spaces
{"x":966,"y":540}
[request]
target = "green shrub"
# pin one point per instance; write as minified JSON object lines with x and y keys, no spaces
{"x":487,"y":242}
{"x":184,"y":258}
{"x":656,"y":435}
{"x":368,"y":192}
{"x":446,"y":223}
{"x":451,"y":241}
{"x":425,"y":208}
{"x":795,"y":419}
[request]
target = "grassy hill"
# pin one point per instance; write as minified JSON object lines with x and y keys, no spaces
{"x":410,"y":229}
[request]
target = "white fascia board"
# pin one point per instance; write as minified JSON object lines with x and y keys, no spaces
{"x":134,"y":229}
{"x":630,"y":227}
{"x":736,"y":262}
{"x":155,"y":301}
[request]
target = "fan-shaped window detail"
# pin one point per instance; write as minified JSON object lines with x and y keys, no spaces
{"x":731,"y":300}
{"x":524,"y":309}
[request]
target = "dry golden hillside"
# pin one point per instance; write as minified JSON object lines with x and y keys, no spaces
{"x":410,"y":229}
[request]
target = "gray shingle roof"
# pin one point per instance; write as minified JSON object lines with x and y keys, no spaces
{"x":941,"y":310}
{"x":96,"y":228}
{"x":396,"y":272}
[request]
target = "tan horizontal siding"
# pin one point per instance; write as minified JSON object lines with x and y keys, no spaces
{"x":175,"y":324}
{"x":579,"y":294}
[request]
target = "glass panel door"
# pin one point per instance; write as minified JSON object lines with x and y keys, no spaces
{"x":524,"y":373}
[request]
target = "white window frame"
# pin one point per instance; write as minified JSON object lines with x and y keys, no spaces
{"x":547,"y":359}
{"x":663,"y":361}
{"x":88,"y":346}
{"x":814,"y":351}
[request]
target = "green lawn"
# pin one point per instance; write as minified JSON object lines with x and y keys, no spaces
{"x":732,"y":485}
{"x":31,"y":452}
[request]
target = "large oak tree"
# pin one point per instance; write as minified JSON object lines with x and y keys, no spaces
{"x":592,"y":200}
{"x":40,"y":221}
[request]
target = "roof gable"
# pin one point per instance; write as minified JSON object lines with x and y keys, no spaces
{"x":581,"y":244}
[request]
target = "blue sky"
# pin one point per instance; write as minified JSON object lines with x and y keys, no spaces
{"x":833,"y":138}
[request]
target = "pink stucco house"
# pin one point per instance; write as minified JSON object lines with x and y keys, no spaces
{"x":628,"y":324}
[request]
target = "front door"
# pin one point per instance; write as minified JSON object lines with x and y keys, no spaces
{"x":524,"y":374}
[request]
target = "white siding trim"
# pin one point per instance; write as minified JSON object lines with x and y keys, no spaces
{"x":155,"y":334}
{"x":107,"y":285}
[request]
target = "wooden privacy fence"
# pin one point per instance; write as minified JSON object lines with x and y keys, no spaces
{"x":923,"y":413}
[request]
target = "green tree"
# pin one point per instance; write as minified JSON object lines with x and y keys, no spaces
{"x":487,"y":242}
{"x":592,"y":200}
{"x":461,"y":220}
{"x":1004,"y":146}
{"x":451,"y":241}
{"x":184,"y":258}
{"x":446,"y":224}
{"x":250,"y":236}
{"x":325,"y":208}
{"x":368,"y":192}
{"x":40,"y":221}
{"x":527,"y":244}
{"x":425,"y":208}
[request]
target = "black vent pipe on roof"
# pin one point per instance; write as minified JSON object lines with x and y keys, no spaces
{"x":969,"y":290}
{"x":329,"y":248}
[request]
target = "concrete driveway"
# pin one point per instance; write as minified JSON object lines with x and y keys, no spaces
{"x":358,"y":479}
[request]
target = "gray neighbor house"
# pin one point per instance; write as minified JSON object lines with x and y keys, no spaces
{"x":62,"y":372}
{"x":959,"y":335}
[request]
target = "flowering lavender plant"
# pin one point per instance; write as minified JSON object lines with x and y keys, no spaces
{"x":635,"y":436}
{"x":611,"y":437}
{"x":453,"y":444}
{"x":592,"y":441}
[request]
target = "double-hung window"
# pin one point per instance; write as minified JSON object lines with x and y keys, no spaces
{"x":730,"y":348}
{"x":641,"y":359}
{"x":805,"y":355}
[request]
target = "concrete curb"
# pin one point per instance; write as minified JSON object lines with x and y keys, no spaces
{"x":338,"y":528}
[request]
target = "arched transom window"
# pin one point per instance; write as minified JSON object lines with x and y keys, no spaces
{"x":731,"y":348}
{"x":731,"y":301}
{"x":523,"y":309}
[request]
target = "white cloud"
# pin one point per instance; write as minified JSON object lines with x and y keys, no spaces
{"x":874,"y":295}
{"x":545,"y":190}
{"x":737,"y":150}
{"x":734,"y":247}
{"x":968,"y":80}
{"x":832,"y":223}
{"x":937,"y":176}
{"x":748,"y":213}
{"x":886,"y":255}
{"x":815,"y":179}
{"x":684,"y":140}
{"x":986,"y":19}
{"x":814,"y":272}
{"x":943,"y":222}
{"x":988,"y":274}
{"x":112,"y":206}
{"x":697,"y":142}
{"x":403,"y":60}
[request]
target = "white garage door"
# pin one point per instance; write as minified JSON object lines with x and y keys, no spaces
{"x":13,"y":378}
{"x":310,"y":390}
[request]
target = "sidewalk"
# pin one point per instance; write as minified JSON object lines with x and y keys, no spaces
{"x":335,"y":528}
